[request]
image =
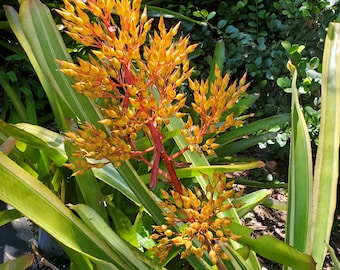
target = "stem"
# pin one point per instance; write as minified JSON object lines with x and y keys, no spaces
{"x":139,"y":156}
{"x":169,"y":164}
{"x":179,"y":153}
{"x":154,"y":170}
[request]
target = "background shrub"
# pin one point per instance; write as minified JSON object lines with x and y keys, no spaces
{"x":260,"y":36}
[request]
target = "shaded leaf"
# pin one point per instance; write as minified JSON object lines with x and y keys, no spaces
{"x":22,"y":262}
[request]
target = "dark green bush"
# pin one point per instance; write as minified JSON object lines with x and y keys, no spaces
{"x":260,"y":36}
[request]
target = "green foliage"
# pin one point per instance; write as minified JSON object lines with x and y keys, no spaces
{"x":312,"y":191}
{"x":253,"y":32}
{"x":22,"y":98}
{"x":95,"y":238}
{"x":259,"y":37}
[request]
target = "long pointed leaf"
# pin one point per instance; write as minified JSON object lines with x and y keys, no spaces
{"x":143,"y":194}
{"x":249,"y":201}
{"x":17,"y":28}
{"x":157,"y":11}
{"x":37,"y":202}
{"x":22,"y":262}
{"x":279,"y":251}
{"x":110,"y":176}
{"x":209,"y":170}
{"x":300,"y":176}
{"x":127,"y":254}
{"x":46,"y":140}
{"x":327,"y":157}
{"x":37,"y":33}
{"x":253,"y":127}
{"x":7,"y":216}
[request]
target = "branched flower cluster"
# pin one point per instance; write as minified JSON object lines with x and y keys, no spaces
{"x":212,"y":100}
{"x":196,"y":215}
{"x":134,"y":75}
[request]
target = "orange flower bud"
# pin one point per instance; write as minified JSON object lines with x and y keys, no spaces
{"x":161,"y":25}
{"x":105,"y":122}
{"x":65,"y":14}
{"x":213,"y":256}
{"x":195,"y":225}
{"x":188,"y":244}
{"x":80,"y":4}
{"x":196,"y":108}
{"x":198,"y":253}
{"x":174,"y":30}
{"x":69,"y":72}
{"x":101,"y":4}
{"x":177,"y":240}
{"x":179,"y":115}
{"x":224,"y":256}
{"x":96,"y":11}
{"x":194,"y":85}
{"x":211,"y":152}
{"x":243,"y":79}
{"x":191,"y":48}
{"x":200,"y":238}
{"x":69,"y":7}
{"x":168,"y":233}
{"x":165,"y":195}
{"x":209,"y":235}
{"x":186,"y":65}
{"x":217,"y":248}
{"x":143,"y":17}
{"x":109,"y":6}
{"x":97,"y":29}
{"x":69,"y":166}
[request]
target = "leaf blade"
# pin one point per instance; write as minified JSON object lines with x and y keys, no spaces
{"x":327,"y":156}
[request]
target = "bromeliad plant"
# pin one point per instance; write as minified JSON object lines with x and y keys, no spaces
{"x":137,"y":77}
{"x":136,"y":85}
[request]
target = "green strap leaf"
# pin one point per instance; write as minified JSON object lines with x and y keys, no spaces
{"x":7,"y":216}
{"x":300,"y":176}
{"x":209,"y":170}
{"x":22,"y":262}
{"x":157,"y":11}
{"x":249,"y":201}
{"x":44,"y":139}
{"x":127,"y":255}
{"x":123,"y":226}
{"x":37,"y":33}
{"x":253,"y":127}
{"x":279,"y":251}
{"x":326,"y":170}
{"x":218,"y":59}
{"x":45,"y":209}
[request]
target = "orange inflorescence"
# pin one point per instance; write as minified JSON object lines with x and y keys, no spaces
{"x":137,"y":80}
{"x":134,"y":75}
{"x":212,"y":100}
{"x":197,"y":217}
